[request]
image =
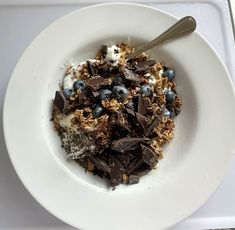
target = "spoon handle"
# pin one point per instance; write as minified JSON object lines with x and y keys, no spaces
{"x":184,"y":26}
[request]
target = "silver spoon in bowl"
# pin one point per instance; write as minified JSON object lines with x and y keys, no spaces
{"x":181,"y":28}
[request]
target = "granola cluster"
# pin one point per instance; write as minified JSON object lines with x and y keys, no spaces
{"x":114,"y":115}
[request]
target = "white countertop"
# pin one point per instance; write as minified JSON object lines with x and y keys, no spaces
{"x":21,"y":21}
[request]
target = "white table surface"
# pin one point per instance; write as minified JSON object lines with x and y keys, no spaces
{"x":18,"y":210}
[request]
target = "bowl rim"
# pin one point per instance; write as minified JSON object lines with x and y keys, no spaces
{"x":21,"y":177}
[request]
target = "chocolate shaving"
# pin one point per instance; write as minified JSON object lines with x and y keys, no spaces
{"x":100,"y":164}
{"x":149,"y":156}
{"x":133,"y":179}
{"x":127,"y":144}
{"x":117,"y":170}
{"x":130,"y":75}
{"x":91,"y":68}
{"x":97,"y":82}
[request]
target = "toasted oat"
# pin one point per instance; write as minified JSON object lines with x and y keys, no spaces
{"x":113,"y":105}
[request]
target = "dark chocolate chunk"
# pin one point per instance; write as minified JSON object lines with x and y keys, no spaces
{"x":117,"y":170}
{"x":127,"y":144}
{"x":141,"y":108}
{"x":130,"y":111}
{"x":124,"y":159}
{"x":142,"y":120}
{"x":151,"y":127}
{"x":75,"y":105}
{"x":142,"y":170}
{"x":142,"y":70}
{"x":60,"y":102}
{"x":130,"y":66}
{"x":104,"y":71}
{"x":91,"y":91}
{"x":97,"y":82}
{"x":100,"y":164}
{"x":144,"y":66}
{"x":130,"y":75}
{"x":149,"y":156}
{"x":133,"y":179}
{"x":144,"y":105}
{"x":122,"y":121}
{"x":84,"y":99}
{"x":95,"y":93}
{"x":134,"y":165}
{"x":147,"y":63}
{"x":91,"y":68}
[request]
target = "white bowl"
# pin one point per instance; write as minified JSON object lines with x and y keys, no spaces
{"x":193,"y":164}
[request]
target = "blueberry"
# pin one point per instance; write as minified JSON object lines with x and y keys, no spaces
{"x":130,"y":105}
{"x":94,"y":105}
{"x":167,"y":113}
{"x":79,"y":84}
{"x":67,"y":93}
{"x":145,"y":90}
{"x":169,"y":73}
{"x":117,"y":80}
{"x":120,"y":92}
{"x":104,"y":94}
{"x":97,"y":111}
{"x":170,"y":96}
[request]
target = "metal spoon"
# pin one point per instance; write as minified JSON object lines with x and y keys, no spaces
{"x":181,"y":28}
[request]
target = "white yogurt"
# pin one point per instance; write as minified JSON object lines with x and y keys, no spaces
{"x":68,"y":81}
{"x":160,"y":73}
{"x":65,"y":121}
{"x":152,"y":80}
{"x":113,"y":54}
